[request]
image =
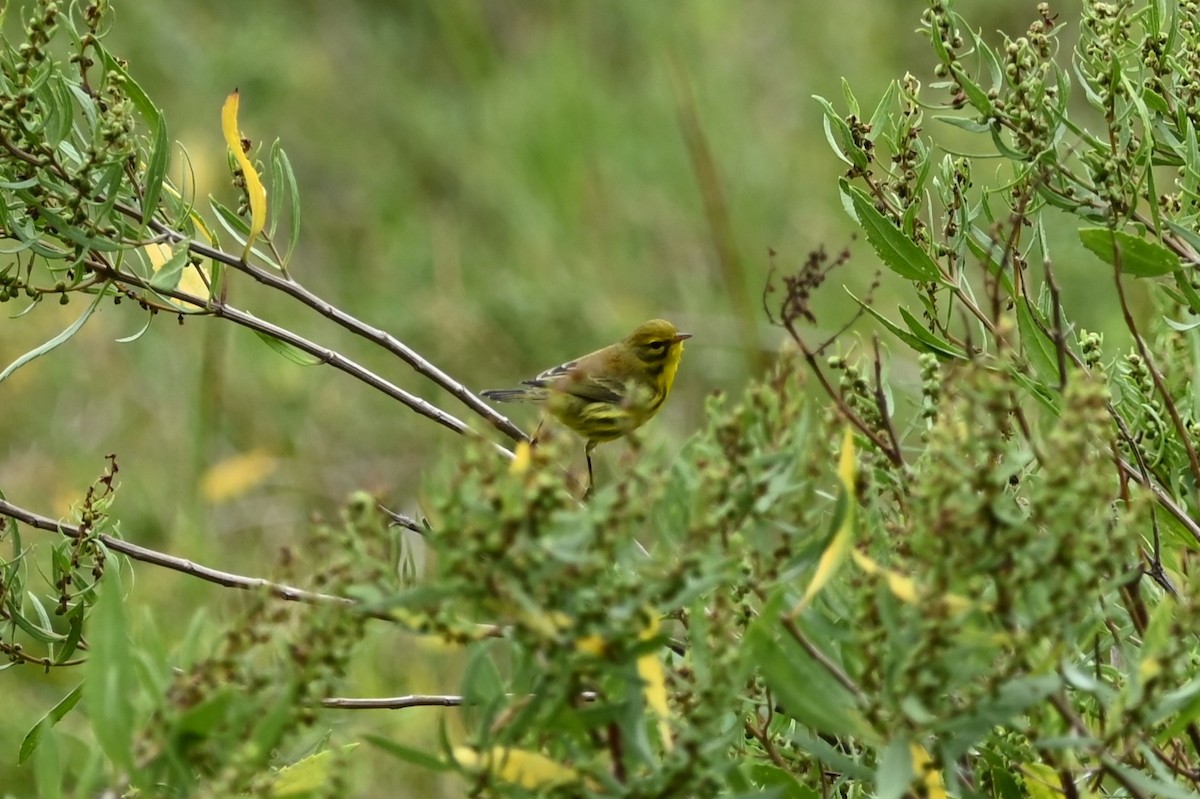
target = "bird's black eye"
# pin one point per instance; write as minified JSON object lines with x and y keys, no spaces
{"x":657,"y":346}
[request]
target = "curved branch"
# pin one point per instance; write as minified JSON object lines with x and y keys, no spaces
{"x":295,"y":290}
{"x":182,"y":565}
{"x":322,"y":354}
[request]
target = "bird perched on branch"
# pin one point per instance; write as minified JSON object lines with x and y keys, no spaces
{"x":610,"y":392}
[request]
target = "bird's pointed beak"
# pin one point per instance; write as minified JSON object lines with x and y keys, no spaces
{"x":681,"y":336}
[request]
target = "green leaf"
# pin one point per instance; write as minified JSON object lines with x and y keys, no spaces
{"x":408,"y":755}
{"x":60,"y":115}
{"x":288,"y":351}
{"x":203,"y":717}
{"x":934,"y":343}
{"x":33,"y":738}
{"x":74,"y":633}
{"x":805,"y":690}
{"x":887,"y":104}
{"x":840,"y":139}
{"x":285,"y":185}
{"x":975,"y":94}
{"x":482,"y":682}
{"x":915,"y":342}
{"x":778,"y":782}
{"x":1138,"y":257}
{"x":156,"y":170}
{"x":1136,"y":778}
{"x":309,"y":775}
{"x":48,"y":770}
{"x":131,"y":88}
{"x":894,"y":773}
{"x":166,"y":278}
{"x":61,"y":338}
{"x":900,"y":253}
{"x":108,"y":686}
{"x":969,"y":124}
{"x":1038,"y":348}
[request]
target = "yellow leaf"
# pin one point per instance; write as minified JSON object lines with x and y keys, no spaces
{"x":190,"y":280}
{"x":924,"y":771}
{"x":521,"y":459}
{"x":901,"y":586}
{"x":517,"y":766}
{"x":654,"y":683}
{"x":235,"y":476}
{"x":255,"y":192}
{"x":1041,"y":781}
{"x":840,"y":542}
{"x":306,"y":776}
{"x":592,"y":645}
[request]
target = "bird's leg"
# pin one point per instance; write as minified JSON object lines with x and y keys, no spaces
{"x":533,"y":439}
{"x":587,"y":451}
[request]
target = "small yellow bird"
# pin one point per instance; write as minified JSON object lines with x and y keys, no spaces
{"x":612,"y":391}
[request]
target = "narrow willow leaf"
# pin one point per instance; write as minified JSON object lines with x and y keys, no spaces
{"x":290,"y":189}
{"x":166,"y":277}
{"x":407,"y":754}
{"x":156,"y":170}
{"x":838,"y":134}
{"x":255,"y":192}
{"x":894,"y":772}
{"x":135,"y":336}
{"x":842,"y":538}
{"x":61,"y":338}
{"x":33,"y":738}
{"x":287,"y":350}
{"x":108,"y":686}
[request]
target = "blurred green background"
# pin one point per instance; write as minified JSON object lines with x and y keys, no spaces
{"x":502,"y":185}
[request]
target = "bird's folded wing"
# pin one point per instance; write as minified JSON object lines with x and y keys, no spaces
{"x":593,"y":389}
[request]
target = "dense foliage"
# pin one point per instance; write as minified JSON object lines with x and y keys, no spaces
{"x":944,"y":551}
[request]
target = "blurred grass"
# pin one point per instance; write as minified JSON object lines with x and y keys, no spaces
{"x":502,"y":185}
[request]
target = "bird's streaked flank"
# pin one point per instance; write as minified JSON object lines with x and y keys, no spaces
{"x":610,"y":392}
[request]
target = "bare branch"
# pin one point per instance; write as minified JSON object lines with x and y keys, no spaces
{"x":322,"y":354}
{"x":412,"y":700}
{"x":295,"y":290}
{"x":182,"y":565}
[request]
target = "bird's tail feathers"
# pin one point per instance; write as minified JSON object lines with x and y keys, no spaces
{"x":514,"y":394}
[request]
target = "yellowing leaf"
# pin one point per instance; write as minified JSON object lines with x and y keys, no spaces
{"x":521,"y":458}
{"x":900,"y":585}
{"x":904,"y":587}
{"x":517,"y":766}
{"x":925,"y":772}
{"x":235,"y":476}
{"x":306,"y":776}
{"x":255,"y":192}
{"x":190,"y":280}
{"x":840,"y":542}
{"x":654,"y":683}
{"x":592,"y":645}
{"x":1041,"y":781}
